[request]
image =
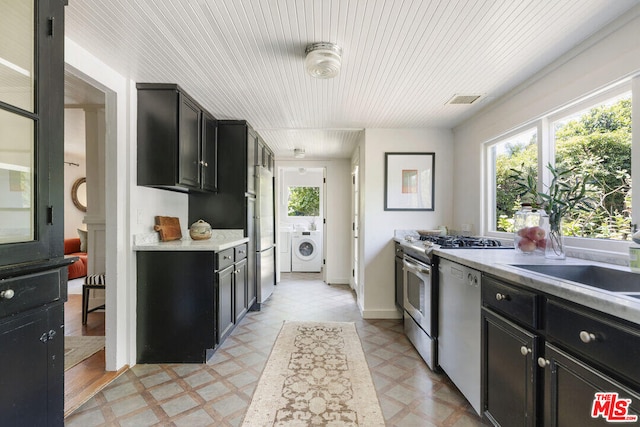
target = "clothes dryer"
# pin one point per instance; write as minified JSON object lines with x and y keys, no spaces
{"x":306,"y":251}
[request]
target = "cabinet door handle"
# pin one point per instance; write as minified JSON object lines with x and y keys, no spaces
{"x":543,"y":363}
{"x":44,"y":337}
{"x":226,"y":257}
{"x":524,"y":350}
{"x":587,"y":337}
{"x":51,"y":334}
{"x":8,"y":294}
{"x":502,"y":297}
{"x":240,"y":252}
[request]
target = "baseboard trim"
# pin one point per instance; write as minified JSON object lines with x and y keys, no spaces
{"x":381,"y":314}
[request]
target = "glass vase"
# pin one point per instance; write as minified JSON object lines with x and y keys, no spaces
{"x":555,"y":242}
{"x":530,"y":230}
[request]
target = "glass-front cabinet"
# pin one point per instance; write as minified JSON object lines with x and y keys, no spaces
{"x":33,"y":269}
{"x":30,"y":128}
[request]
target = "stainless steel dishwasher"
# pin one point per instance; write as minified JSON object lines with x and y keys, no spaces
{"x":460,"y":327}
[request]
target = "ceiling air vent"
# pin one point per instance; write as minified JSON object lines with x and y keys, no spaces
{"x":463,"y":99}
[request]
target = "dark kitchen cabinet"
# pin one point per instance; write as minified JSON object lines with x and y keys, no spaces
{"x":209,"y":152}
{"x":570,"y":389}
{"x":225,"y":290}
{"x":399,"y":272}
{"x":509,"y":372}
{"x":511,"y":381}
{"x":187,"y":302}
{"x":33,"y":270}
{"x":544,"y":359}
{"x":241,"y":275}
{"x":233,"y":205}
{"x":176,"y":140}
{"x":176,"y":306}
{"x":231,"y":282}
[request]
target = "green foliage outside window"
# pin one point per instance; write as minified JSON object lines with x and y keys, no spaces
{"x":598,"y":145}
{"x":304,"y":201}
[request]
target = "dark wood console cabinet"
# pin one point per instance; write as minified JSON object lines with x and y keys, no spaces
{"x":177,"y":142}
{"x":33,"y":270}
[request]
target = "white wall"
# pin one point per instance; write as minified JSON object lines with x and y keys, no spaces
{"x":129,"y":209}
{"x":377,"y":225}
{"x":338,"y":214}
{"x":611,"y":55}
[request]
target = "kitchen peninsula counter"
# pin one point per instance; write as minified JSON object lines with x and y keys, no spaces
{"x":190,"y":295}
{"x":219,"y":241}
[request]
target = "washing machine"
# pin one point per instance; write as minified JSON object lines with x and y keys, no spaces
{"x":306,"y":251}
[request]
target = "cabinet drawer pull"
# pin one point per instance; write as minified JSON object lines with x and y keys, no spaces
{"x":240,"y":252}
{"x":524,"y":350}
{"x":502,"y":297}
{"x":587,"y":337}
{"x":542,"y":362}
{"x":8,"y":294}
{"x":226,"y":257}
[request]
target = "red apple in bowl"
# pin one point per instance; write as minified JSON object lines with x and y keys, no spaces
{"x":536,"y":233}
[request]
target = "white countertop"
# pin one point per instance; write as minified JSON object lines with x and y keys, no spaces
{"x":499,"y":263}
{"x":219,"y":241}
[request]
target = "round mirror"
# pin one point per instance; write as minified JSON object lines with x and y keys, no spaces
{"x":79,"y":194}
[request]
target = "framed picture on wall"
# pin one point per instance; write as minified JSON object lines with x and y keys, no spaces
{"x":409,"y":183}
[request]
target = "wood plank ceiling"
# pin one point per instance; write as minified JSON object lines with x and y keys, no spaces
{"x":402,"y":60}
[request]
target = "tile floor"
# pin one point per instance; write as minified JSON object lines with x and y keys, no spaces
{"x":218,"y":393}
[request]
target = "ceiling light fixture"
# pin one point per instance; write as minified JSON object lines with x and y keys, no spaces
{"x":323,"y":60}
{"x":298,"y":153}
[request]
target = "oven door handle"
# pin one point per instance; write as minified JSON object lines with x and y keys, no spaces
{"x":414,"y":266}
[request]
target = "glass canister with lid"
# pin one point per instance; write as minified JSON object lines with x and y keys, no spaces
{"x":531,"y":227}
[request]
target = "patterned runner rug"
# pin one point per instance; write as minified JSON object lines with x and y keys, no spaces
{"x":316,"y":375}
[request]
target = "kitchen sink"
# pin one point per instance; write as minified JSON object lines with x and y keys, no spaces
{"x":603,"y":278}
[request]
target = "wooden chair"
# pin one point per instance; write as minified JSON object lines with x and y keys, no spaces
{"x":92,"y":281}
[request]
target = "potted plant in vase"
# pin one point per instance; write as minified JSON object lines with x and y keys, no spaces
{"x":566,"y":192}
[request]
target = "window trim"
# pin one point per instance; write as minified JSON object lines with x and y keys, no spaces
{"x":546,"y":153}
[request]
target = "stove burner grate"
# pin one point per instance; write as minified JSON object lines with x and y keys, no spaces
{"x":463,"y":242}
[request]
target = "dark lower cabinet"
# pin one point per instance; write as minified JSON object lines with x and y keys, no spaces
{"x":549,"y":362}
{"x":570,"y":389}
{"x":509,"y":372}
{"x":188,"y":302}
{"x":226,"y":318}
{"x":176,"y":306}
{"x":240,"y":276}
{"x":399,"y":282}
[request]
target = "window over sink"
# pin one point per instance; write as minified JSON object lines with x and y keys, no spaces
{"x":592,"y":136}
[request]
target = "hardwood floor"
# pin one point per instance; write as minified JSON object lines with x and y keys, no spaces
{"x":89,"y":376}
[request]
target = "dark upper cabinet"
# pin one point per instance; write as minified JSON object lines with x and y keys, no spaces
{"x":176,"y":140}
{"x":189,"y":143}
{"x":209,"y":156}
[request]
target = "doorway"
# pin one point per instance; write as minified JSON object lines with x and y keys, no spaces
{"x":301,"y":224}
{"x":85,"y":218}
